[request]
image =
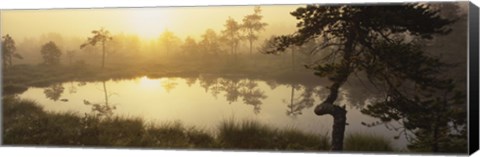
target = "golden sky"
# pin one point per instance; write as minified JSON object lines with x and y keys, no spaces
{"x":148,"y":23}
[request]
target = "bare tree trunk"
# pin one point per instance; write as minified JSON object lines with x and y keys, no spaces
{"x":327,"y":107}
{"x":106,"y":95}
{"x":291,"y":98}
{"x":251,"y":43}
{"x":338,"y":113}
{"x":232,"y":50}
{"x":338,"y":132}
{"x":293,"y":58}
{"x":103,"y":55}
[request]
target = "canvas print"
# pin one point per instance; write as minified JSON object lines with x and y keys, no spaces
{"x":380,"y":77}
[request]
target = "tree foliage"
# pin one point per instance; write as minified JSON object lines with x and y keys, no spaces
{"x":169,"y":41}
{"x":51,"y":54}
{"x":252,"y":25}
{"x":8,"y":50}
{"x":99,"y":36}
{"x":375,"y":40}
{"x":210,"y":43}
{"x":432,"y":122}
{"x":190,"y":46}
{"x":432,"y":112}
{"x":231,"y":34}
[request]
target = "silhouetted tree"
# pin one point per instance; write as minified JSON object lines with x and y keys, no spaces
{"x":231,"y":35}
{"x":434,"y":120}
{"x":437,"y":120}
{"x":51,"y":54}
{"x":360,"y":36}
{"x":8,"y":51}
{"x":210,"y":43}
{"x":101,"y":36}
{"x":305,"y":50}
{"x":252,"y":25}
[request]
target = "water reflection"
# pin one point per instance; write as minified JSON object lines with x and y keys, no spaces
{"x":72,"y":89}
{"x":235,"y":89}
{"x":272,"y":84}
{"x":204,"y":101}
{"x":206,"y":82}
{"x":244,"y":90}
{"x":190,"y":81}
{"x":360,"y":92}
{"x":169,"y":84}
{"x":231,"y":89}
{"x":297,"y":104}
{"x":104,"y":109}
{"x":54,"y":92}
{"x":252,"y":95}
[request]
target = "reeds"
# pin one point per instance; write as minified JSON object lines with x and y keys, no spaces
{"x":26,"y":123}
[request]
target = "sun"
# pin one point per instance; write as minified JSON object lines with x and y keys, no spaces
{"x":147,"y":23}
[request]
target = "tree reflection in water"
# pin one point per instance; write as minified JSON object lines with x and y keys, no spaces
{"x":235,"y":89}
{"x":54,"y":92}
{"x":104,"y":109}
{"x":297,"y":104}
{"x":252,"y":95}
{"x":169,"y":84}
{"x":211,"y":84}
{"x":190,"y":81}
{"x":231,"y":89}
{"x":72,"y":89}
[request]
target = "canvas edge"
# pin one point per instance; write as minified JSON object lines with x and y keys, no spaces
{"x":473,"y":79}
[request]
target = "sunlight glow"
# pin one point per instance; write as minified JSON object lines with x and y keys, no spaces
{"x":147,"y":23}
{"x":147,"y":83}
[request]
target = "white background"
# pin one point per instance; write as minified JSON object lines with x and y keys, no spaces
{"x":82,"y":152}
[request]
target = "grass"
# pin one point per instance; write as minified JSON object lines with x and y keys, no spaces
{"x":26,"y":123}
{"x":250,"y":134}
{"x":367,"y":143}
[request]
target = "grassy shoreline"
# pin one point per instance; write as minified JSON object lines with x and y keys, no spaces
{"x":26,"y":123}
{"x":18,"y":78}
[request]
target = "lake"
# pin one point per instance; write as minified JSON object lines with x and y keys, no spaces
{"x":205,"y":101}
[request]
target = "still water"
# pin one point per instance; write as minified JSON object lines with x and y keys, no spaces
{"x":205,"y":101}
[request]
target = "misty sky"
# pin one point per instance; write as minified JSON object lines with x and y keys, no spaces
{"x":147,"y":23}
